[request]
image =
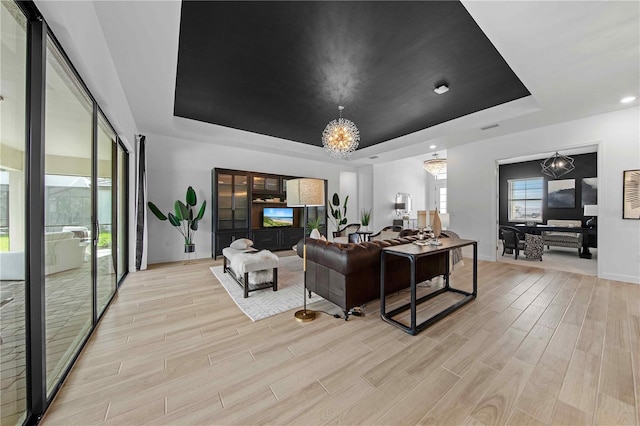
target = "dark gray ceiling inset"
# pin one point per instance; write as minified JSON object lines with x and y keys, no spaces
{"x":282,"y":68}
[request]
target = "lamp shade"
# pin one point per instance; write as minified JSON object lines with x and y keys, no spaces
{"x":591,"y":210}
{"x":305,"y":192}
{"x":422,"y":219}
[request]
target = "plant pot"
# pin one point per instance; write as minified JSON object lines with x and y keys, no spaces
{"x":189,"y":248}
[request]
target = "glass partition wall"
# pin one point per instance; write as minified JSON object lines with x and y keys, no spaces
{"x":63,"y":230}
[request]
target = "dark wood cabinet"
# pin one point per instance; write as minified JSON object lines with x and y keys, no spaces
{"x":240,"y":198}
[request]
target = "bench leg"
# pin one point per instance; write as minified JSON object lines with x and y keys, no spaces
{"x":274,"y":279}
{"x":224,"y":265}
{"x":246,"y":285}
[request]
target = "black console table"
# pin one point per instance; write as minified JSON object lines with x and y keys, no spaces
{"x":585,"y":253}
{"x":413,"y":252}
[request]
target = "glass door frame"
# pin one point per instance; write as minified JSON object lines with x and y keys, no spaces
{"x":35,"y":318}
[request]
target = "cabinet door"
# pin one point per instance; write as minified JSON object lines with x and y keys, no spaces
{"x":224,"y":239}
{"x":225,"y":201}
{"x":240,"y":202}
{"x":266,"y":239}
{"x":261,"y":184}
{"x":290,"y":237}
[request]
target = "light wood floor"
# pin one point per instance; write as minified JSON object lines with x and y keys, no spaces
{"x":536,"y":347}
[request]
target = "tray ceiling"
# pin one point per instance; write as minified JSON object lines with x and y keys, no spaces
{"x":282,"y":68}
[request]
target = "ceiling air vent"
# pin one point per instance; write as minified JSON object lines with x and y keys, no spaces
{"x":373,"y":157}
{"x":491,"y":126}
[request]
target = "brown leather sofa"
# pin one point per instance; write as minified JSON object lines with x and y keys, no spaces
{"x":348,"y":275}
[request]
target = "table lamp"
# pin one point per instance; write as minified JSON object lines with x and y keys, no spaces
{"x":305,"y":193}
{"x":422,"y":223}
{"x":444,"y":219}
{"x":591,"y":210}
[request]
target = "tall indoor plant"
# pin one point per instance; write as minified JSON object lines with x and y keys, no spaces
{"x":338,"y":214}
{"x":183,"y":218}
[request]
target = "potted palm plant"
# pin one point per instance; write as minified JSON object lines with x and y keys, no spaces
{"x":365,"y":219}
{"x":183,"y":218}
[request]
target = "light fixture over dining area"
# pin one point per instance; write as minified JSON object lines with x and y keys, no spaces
{"x":436,"y":166}
{"x":341,"y":137}
{"x":557,"y":165}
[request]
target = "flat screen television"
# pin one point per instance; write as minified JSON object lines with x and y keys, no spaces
{"x":277,"y":216}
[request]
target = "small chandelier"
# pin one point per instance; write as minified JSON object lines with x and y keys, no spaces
{"x":341,"y":137}
{"x":436,"y":166}
{"x":557,"y":165}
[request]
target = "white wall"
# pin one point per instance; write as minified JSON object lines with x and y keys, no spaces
{"x":365,"y":190}
{"x":175,"y":164}
{"x":406,"y":175}
{"x":472,"y":187}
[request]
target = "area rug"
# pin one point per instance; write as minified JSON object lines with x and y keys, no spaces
{"x":264,"y":303}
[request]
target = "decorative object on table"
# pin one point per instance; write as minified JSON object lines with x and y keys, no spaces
{"x":561,"y":194}
{"x":338,"y":214}
{"x":340,"y":137}
{"x":631,"y":195}
{"x":445,"y":220}
{"x":365,"y":219}
{"x":591,"y":210}
{"x":557,"y":165}
{"x":436,"y":225}
{"x":589,"y":191}
{"x":422,"y":224}
{"x":436,"y":166}
{"x":314,"y":224}
{"x":304,"y":193}
{"x":183,"y":219}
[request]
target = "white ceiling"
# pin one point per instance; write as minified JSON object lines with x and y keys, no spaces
{"x":576,"y":58}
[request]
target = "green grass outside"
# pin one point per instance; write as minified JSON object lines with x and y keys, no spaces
{"x":4,"y":243}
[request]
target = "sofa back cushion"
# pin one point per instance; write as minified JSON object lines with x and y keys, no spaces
{"x":565,"y":223}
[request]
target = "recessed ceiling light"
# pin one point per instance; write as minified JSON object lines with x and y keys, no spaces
{"x":628,"y":99}
{"x":441,"y":89}
{"x":432,"y":147}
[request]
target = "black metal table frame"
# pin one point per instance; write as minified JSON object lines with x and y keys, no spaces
{"x":414,"y":328}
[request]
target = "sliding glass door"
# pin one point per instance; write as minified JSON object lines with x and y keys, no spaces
{"x":68,"y":215}
{"x":13,"y":74}
{"x":105,"y":263}
{"x":63,"y":210}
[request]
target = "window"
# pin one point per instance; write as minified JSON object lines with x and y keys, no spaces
{"x":442,"y":200}
{"x":525,"y":200}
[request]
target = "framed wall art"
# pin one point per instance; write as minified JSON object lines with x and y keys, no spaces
{"x":561,"y":194}
{"x":589,"y":191}
{"x":631,"y":194}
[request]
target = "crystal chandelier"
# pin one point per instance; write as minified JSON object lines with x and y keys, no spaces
{"x":557,"y":165}
{"x":340,"y":138}
{"x":436,"y":166}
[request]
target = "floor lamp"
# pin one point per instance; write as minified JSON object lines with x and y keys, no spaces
{"x":305,"y":193}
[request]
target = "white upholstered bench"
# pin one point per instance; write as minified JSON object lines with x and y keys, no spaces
{"x":251,"y":269}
